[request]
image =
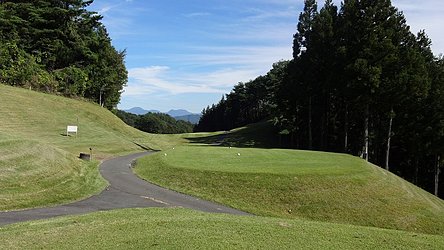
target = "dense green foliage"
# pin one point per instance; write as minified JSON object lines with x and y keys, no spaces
{"x":59,"y":47}
{"x":360,"y":82}
{"x":156,"y":123}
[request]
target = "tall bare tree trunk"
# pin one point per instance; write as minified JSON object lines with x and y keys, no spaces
{"x":310,"y":138}
{"x":366,"y":134}
{"x":346,"y":129}
{"x":101,"y":99}
{"x":389,"y":137}
{"x":324,"y":125}
{"x":415,"y":180}
{"x":437,"y":170}
{"x":322,"y":132}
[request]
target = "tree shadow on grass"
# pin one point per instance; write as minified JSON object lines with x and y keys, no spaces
{"x":144,"y":147}
{"x":257,"y":135}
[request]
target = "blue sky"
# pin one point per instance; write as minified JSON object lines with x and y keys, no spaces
{"x":187,"y":54}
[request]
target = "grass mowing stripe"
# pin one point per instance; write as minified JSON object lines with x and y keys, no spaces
{"x":186,"y":229}
{"x":30,"y":180}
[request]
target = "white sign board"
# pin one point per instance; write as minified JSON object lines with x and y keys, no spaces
{"x":71,"y":129}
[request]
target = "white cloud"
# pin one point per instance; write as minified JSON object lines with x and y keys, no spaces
{"x":224,"y":66}
{"x":261,"y":14}
{"x":197,"y":14}
{"x":241,"y":56}
{"x":104,"y":9}
{"x":118,"y":16}
{"x":160,"y":79}
{"x":222,"y":79}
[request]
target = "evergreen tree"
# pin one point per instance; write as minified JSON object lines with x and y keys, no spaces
{"x":59,"y":46}
{"x":360,"y":82}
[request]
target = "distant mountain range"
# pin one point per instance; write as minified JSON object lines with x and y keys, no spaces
{"x":193,"y":118}
{"x":140,"y":111}
{"x":178,"y":114}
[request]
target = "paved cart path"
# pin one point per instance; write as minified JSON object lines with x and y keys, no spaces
{"x":126,"y":190}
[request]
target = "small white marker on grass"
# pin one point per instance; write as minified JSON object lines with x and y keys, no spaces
{"x":165,"y":154}
{"x":238,"y":154}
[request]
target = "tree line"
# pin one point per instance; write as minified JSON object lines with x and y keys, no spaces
{"x":156,"y":123}
{"x":58,"y":46}
{"x":246,"y":103}
{"x":360,"y":82}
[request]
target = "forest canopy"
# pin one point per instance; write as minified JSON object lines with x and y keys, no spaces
{"x":156,"y":123}
{"x":360,"y":82}
{"x":58,"y":46}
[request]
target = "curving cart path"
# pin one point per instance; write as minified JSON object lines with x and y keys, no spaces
{"x":126,"y":190}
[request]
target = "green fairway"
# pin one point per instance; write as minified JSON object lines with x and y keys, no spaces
{"x":272,"y":161}
{"x":185,"y":229}
{"x":297,"y":184}
{"x":39,"y":164}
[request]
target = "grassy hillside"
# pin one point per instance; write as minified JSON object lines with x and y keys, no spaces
{"x":185,"y":229}
{"x":38,"y":162}
{"x":319,"y":186}
{"x":39,"y":166}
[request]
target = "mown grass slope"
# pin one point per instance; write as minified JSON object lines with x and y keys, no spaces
{"x":186,"y":229}
{"x":285,"y":183}
{"x":38,"y":162}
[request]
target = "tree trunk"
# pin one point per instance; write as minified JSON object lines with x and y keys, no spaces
{"x":415,"y":180}
{"x":389,"y":137}
{"x":322,"y":132}
{"x":100,"y":98}
{"x":310,"y":138}
{"x":437,"y":170}
{"x":346,"y":129}
{"x":366,"y":139}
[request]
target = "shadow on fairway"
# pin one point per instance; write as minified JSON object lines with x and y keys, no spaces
{"x":257,"y":135}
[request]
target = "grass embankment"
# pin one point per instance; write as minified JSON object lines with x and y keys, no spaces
{"x":38,"y":163}
{"x":186,"y":229}
{"x":318,"y":186}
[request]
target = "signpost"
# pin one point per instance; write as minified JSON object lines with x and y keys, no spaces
{"x":71,"y":129}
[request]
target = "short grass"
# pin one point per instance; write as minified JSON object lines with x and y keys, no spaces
{"x":39,"y":164}
{"x":284,"y":183}
{"x":185,"y":229}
